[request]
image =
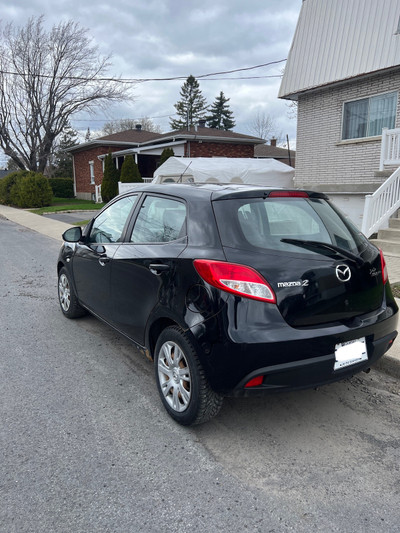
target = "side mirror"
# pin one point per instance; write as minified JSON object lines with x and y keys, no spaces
{"x":73,"y":234}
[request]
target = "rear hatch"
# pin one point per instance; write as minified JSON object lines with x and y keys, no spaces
{"x":321,"y":268}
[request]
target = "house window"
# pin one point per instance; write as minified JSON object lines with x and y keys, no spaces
{"x":368,"y":116}
{"x":91,"y":167}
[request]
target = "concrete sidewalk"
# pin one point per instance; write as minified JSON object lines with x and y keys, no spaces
{"x":390,"y":363}
{"x":49,"y":227}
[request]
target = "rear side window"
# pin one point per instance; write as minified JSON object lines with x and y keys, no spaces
{"x":160,"y":220}
{"x":264,"y":223}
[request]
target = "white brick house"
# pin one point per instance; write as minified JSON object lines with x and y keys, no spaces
{"x":344,"y":71}
{"x":323,"y":156}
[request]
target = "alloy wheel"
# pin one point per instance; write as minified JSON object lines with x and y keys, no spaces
{"x":64,"y":292}
{"x":174,"y":376}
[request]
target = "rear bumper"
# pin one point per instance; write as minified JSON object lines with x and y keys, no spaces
{"x":246,"y":340}
{"x":310,"y":373}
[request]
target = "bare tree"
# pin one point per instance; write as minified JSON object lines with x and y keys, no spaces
{"x":262,"y":125}
{"x":292,"y":109}
{"x":148,"y":125}
{"x":124,"y":124}
{"x":45,"y":77}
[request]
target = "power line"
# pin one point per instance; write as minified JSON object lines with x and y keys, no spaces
{"x":172,"y":78}
{"x":242,"y":69}
{"x":244,"y":78}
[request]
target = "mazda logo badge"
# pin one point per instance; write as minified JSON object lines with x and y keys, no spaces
{"x":343,"y":273}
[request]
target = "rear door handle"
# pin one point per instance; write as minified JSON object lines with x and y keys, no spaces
{"x":103,"y":259}
{"x":158,"y":268}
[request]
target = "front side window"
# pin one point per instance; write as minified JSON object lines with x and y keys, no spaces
{"x":109,"y":225}
{"x":160,"y":220}
{"x":368,"y":116}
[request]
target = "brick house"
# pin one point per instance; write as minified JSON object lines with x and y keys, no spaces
{"x":271,"y":151}
{"x":343,"y":70}
{"x":147,"y":148}
{"x":87,"y":165}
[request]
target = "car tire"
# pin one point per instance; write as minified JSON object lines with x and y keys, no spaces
{"x":66,"y":296}
{"x":181,"y":381}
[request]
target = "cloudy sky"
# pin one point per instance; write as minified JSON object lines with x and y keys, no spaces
{"x":173,"y":38}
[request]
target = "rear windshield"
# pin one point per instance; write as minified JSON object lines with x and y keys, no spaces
{"x":266,"y":223}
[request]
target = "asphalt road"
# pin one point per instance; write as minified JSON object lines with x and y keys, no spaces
{"x":85,"y":445}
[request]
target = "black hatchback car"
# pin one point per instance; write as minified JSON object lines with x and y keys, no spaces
{"x":231,"y":289}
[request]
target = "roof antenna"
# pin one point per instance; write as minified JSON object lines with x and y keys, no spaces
{"x":181,"y":176}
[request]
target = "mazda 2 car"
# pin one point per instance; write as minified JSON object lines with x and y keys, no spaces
{"x":231,"y":289}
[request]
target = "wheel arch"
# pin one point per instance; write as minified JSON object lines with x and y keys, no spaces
{"x":158,"y":326}
{"x":60,"y":265}
{"x":155,"y":330}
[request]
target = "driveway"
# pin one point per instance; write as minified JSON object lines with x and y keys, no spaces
{"x":72,"y":217}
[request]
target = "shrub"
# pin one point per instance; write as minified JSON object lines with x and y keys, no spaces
{"x":166,"y":154}
{"x":109,"y":185}
{"x":7,"y":183}
{"x":31,"y":190}
{"x":130,"y":171}
{"x":62,"y":187}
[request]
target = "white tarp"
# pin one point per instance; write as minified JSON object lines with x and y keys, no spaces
{"x":268,"y":172}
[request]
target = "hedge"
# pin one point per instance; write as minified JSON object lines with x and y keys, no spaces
{"x":62,"y":187}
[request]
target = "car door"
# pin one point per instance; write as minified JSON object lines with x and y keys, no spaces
{"x":92,"y":260}
{"x":144,"y":269}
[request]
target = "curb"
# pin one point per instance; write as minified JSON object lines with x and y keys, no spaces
{"x":388,"y":365}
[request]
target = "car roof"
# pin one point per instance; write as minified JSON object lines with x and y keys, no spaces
{"x":216,"y":191}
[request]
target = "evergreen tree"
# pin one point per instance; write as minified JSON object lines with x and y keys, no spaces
{"x":130,"y":171}
{"x":191,"y":107}
{"x":88,"y":135}
{"x":109,"y":185}
{"x":62,"y":163}
{"x":221,"y":116}
{"x":166,"y":154}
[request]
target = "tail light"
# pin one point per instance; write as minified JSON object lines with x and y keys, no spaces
{"x":384,"y":268}
{"x":236,"y":279}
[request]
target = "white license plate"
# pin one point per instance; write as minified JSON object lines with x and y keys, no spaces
{"x":350,"y":353}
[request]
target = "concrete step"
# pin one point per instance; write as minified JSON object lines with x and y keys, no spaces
{"x":388,"y":247}
{"x":391,"y":234}
{"x":383,"y":174}
{"x":394,"y":223}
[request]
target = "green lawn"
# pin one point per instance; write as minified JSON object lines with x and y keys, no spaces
{"x":67,"y":204}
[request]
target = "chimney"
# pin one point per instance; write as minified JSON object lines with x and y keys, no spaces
{"x":202,"y":123}
{"x":138,"y":127}
{"x":273,"y":141}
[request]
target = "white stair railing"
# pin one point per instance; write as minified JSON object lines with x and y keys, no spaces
{"x":385,"y":201}
{"x":381,"y":205}
{"x":97,"y":189}
{"x":390,"y":148}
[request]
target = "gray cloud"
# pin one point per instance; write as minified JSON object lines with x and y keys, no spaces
{"x":166,"y":38}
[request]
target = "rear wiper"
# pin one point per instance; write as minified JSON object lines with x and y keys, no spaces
{"x":325,"y":246}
